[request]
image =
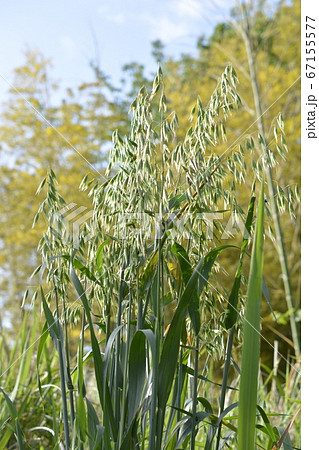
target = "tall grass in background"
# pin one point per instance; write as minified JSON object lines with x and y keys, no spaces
{"x":141,"y":290}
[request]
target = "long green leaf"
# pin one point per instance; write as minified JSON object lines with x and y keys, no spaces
{"x":42,"y":341}
{"x":186,"y":271}
{"x":137,"y":374}
{"x":92,"y":420}
{"x":5,"y":438}
{"x":251,"y":344}
{"x":14,"y":415}
{"x":99,"y":255}
{"x":269,"y":430}
{"x":231,"y":312}
{"x":183,"y":260}
{"x":53,"y":325}
{"x":81,"y":417}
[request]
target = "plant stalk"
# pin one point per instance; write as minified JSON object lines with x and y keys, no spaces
{"x":62,"y":378}
{"x":224,"y":382}
{"x":194,"y":421}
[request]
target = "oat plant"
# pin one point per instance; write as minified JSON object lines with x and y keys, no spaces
{"x":140,"y":283}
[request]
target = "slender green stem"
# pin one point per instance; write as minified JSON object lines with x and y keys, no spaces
{"x":68,"y":366}
{"x":116,"y":391}
{"x":157,"y":311}
{"x":224,"y":382}
{"x":125,"y":374}
{"x":107,"y":315}
{"x":194,"y":417}
{"x":62,"y":378}
{"x":180,"y":387}
{"x":139,"y":304}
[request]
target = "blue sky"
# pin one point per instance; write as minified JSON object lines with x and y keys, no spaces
{"x":65,"y":31}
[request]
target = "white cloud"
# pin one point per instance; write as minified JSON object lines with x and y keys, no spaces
{"x":109,"y":14}
{"x":166,"y":28}
{"x":201,"y":10}
{"x":177,"y":20}
{"x":189,"y":8}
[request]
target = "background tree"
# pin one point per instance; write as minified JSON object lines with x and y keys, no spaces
{"x":40,"y":130}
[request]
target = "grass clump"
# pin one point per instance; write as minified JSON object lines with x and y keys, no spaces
{"x":140,"y":285}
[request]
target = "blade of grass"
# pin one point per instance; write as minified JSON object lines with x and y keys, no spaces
{"x":251,"y":339}
{"x":15,"y":417}
{"x":268,"y":427}
{"x":285,"y":432}
{"x":183,"y":260}
{"x":42,"y":341}
{"x":81,"y":416}
{"x":231,"y":312}
{"x":137,"y":374}
{"x":5,"y":438}
{"x":124,"y":403}
{"x":194,"y":400}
